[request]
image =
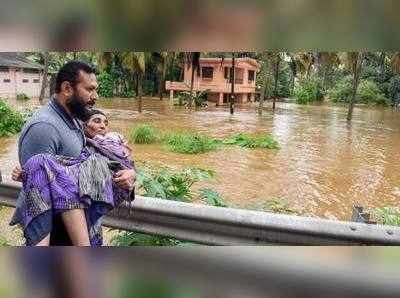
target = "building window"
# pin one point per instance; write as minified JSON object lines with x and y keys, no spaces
{"x":25,"y":81}
{"x":207,"y":72}
{"x":31,"y":70}
{"x":36,"y":80}
{"x":3,"y":69}
{"x":6,"y":80}
{"x":251,"y":75}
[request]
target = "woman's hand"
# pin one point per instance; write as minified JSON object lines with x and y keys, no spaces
{"x":125,"y":179}
{"x":16,"y":174}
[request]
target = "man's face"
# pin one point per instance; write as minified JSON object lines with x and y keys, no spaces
{"x":84,"y":94}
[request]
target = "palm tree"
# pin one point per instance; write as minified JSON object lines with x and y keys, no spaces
{"x":396,"y":62}
{"x":136,"y":63}
{"x":193,"y":61}
{"x":353,"y":62}
{"x":306,"y":61}
{"x":327,"y":61}
{"x":265,"y":60}
{"x":293,"y":67}
{"x":276,"y":58}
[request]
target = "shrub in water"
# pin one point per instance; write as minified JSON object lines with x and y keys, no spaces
{"x":369,"y":92}
{"x":309,"y":91}
{"x":341,"y":92}
{"x":387,"y":216}
{"x":143,"y":134}
{"x":106,"y":85}
{"x":247,"y":141}
{"x":190,"y":143}
{"x":11,"y":121}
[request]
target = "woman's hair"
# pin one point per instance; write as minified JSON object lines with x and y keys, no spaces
{"x":90,"y":113}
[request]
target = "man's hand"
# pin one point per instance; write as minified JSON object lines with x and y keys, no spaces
{"x":16,"y":174}
{"x":125,"y":179}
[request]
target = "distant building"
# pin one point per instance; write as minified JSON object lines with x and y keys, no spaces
{"x":19,"y":75}
{"x":215,"y":77}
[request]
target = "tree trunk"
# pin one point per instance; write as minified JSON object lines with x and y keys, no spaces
{"x":191,"y":88}
{"x":276,"y":81}
{"x":231,"y":104}
{"x":139,"y":92}
{"x":161,"y":82}
{"x":45,"y":75}
{"x":356,"y":77}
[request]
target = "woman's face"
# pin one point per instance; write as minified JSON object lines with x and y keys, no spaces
{"x":96,"y":125}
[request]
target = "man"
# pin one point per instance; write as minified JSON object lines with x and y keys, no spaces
{"x":55,"y":129}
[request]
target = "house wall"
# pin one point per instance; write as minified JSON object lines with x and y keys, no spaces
{"x":17,"y":85}
{"x":218,"y":83}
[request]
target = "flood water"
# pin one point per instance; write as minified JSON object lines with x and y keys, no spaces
{"x":324,"y":166}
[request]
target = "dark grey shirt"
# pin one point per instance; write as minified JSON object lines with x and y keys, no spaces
{"x":51,"y":130}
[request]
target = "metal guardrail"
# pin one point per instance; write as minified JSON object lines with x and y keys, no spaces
{"x":226,"y":226}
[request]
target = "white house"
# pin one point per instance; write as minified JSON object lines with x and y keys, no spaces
{"x":19,"y":75}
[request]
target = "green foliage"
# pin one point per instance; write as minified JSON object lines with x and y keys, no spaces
{"x":3,"y":242}
{"x":394,"y":89}
{"x":274,"y":205}
{"x":22,"y":96}
{"x":198,"y":98}
{"x":212,"y":197}
{"x":143,"y":134}
{"x":387,"y":216}
{"x":341,"y":92}
{"x":190,"y":143}
{"x":11,"y":121}
{"x":309,"y":91}
{"x":139,"y":239}
{"x":167,"y":184}
{"x":106,"y":84}
{"x":246,"y":141}
{"x":368,"y":92}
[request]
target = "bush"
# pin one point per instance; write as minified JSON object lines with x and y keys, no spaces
{"x":309,"y":91}
{"x":341,"y":92}
{"x":190,"y":143}
{"x":368,"y":92}
{"x":143,"y":134}
{"x":11,"y":121}
{"x":394,"y":90}
{"x":22,"y":96}
{"x":106,"y":85}
{"x":247,"y":141}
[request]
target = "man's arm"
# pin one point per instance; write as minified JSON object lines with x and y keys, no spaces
{"x":41,"y":137}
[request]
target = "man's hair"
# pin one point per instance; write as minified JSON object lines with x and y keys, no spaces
{"x":70,"y":73}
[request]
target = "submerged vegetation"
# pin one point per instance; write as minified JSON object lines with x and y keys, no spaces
{"x":247,"y":141}
{"x":194,"y":143}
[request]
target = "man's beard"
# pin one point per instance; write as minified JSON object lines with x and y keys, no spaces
{"x":76,"y":106}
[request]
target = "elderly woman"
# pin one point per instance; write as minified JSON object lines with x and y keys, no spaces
{"x":84,"y":187}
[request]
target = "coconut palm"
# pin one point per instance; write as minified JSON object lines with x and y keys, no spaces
{"x":192,"y":61}
{"x":353,"y":62}
{"x":135,"y":62}
{"x":326,"y":61}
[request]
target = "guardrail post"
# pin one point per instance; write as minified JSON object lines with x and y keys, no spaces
{"x":359,"y":215}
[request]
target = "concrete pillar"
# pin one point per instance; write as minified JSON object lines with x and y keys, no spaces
{"x":221,"y":99}
{"x":252,"y":99}
{"x":171,"y":94}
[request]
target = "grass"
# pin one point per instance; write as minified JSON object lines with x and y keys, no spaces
{"x":143,"y":134}
{"x":247,"y":141}
{"x":190,"y":143}
{"x":387,"y":216}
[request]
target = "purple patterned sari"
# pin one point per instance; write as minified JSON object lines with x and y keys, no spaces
{"x":56,"y":184}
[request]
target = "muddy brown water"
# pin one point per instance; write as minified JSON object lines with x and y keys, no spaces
{"x":324,"y":166}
